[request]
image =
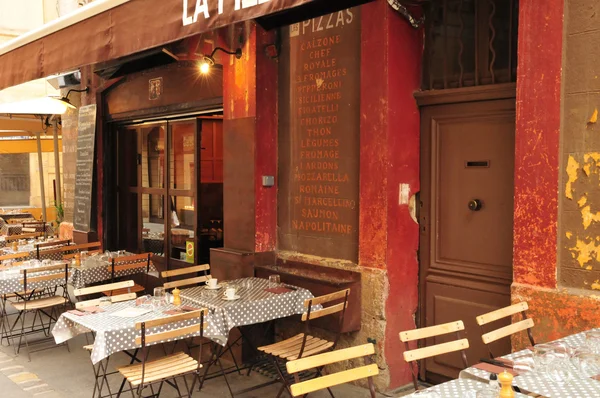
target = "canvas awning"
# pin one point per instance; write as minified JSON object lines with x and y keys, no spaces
{"x":109,"y":29}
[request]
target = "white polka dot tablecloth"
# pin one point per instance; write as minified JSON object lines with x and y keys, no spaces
{"x":255,"y":305}
{"x":95,"y":270}
{"x":114,"y":333}
{"x":459,"y":388}
{"x":534,"y":382}
{"x":11,"y":280}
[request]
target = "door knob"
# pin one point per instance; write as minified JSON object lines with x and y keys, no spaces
{"x":475,"y":205}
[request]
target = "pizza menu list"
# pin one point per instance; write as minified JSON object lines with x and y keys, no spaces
{"x":324,"y":135}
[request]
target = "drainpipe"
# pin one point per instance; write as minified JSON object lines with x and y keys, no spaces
{"x":57,"y":164}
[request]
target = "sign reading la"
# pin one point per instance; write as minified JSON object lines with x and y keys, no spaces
{"x":203,"y":9}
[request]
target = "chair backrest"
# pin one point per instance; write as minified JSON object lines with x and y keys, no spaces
{"x":342,"y":296}
{"x":84,"y":291}
{"x":145,"y":338}
{"x":96,"y":289}
{"x":59,"y":275}
{"x":505,"y":331}
{"x":93,"y":247}
{"x":460,"y":344}
{"x":346,"y":376}
{"x":14,"y":256}
{"x":62,"y":242}
{"x":23,"y":236}
{"x":70,"y":256}
{"x":186,"y":271}
{"x":139,"y":262}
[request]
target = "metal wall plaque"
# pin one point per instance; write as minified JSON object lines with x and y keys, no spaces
{"x":319,"y":137}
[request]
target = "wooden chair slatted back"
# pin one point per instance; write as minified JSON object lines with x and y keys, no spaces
{"x":14,"y":256}
{"x":29,"y":276}
{"x":417,"y":354}
{"x":23,"y":236}
{"x":113,"y":299}
{"x":71,"y":256}
{"x":186,"y":271}
{"x":136,"y":261}
{"x":103,"y":288}
{"x":186,"y":282}
{"x":62,"y":242}
{"x":326,"y":299}
{"x":526,"y":324}
{"x":322,"y":382}
{"x":174,"y":333}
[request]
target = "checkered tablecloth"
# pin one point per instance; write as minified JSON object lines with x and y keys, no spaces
{"x":254,"y":306}
{"x":534,"y":382}
{"x":113,"y":333}
{"x":459,"y":388}
{"x":95,"y":270}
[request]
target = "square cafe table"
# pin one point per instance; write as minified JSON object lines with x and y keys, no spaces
{"x":459,"y":388}
{"x":581,"y":386}
{"x":114,"y":334}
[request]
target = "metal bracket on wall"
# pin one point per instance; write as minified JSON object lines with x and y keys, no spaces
{"x":402,"y":10}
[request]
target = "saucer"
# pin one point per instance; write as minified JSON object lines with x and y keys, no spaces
{"x":213,"y":288}
{"x":237,"y":297}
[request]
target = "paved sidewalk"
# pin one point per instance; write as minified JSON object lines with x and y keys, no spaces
{"x":57,"y":373}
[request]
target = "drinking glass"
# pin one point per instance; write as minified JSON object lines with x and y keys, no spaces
{"x":486,"y":393}
{"x":159,"y":292}
{"x":586,"y":362}
{"x":592,"y":339}
{"x":559,"y":371}
{"x":248,"y":284}
{"x":543,"y":354}
{"x":427,"y":393}
{"x":274,"y":281}
{"x":524,"y":363}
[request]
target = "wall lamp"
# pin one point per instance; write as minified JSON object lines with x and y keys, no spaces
{"x":208,"y":61}
{"x":66,"y":99}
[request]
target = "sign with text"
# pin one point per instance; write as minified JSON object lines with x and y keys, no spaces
{"x":84,"y":173}
{"x":319,"y":137}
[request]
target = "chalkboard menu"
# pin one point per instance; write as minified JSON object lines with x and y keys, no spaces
{"x":84,"y":174}
{"x":319,"y":137}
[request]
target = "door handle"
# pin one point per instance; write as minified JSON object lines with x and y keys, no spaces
{"x":475,"y":205}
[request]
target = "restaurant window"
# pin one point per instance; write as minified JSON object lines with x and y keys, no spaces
{"x":165,"y":203}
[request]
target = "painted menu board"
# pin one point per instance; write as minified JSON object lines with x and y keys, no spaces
{"x":319,"y":137}
{"x":84,"y":173}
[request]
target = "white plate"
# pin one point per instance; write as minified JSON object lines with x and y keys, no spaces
{"x":213,"y":288}
{"x":236,"y":297}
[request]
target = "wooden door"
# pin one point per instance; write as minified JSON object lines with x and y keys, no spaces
{"x":466,"y":220}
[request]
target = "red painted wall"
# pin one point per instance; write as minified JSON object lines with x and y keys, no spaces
{"x":389,"y":238}
{"x":537,"y":141}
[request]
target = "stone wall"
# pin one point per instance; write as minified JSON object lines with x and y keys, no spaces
{"x":14,"y":179}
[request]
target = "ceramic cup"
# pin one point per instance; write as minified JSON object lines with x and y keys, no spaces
{"x":230,"y":293}
{"x":212,"y":283}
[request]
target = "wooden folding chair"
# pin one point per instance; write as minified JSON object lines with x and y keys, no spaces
{"x":433,"y":350}
{"x":129,"y":265}
{"x":304,"y":344}
{"x":31,"y":235}
{"x":93,"y":247}
{"x":52,"y":250}
{"x":56,"y":275}
{"x":524,"y":324}
{"x":186,"y":271}
{"x":172,"y":366}
{"x":368,"y":371}
{"x":101,"y":371}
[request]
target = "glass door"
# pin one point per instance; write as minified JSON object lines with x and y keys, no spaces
{"x":158,"y":190}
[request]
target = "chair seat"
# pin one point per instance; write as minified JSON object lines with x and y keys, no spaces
{"x":88,"y":347}
{"x":290,"y":349}
{"x":22,"y":294}
{"x":134,"y":289}
{"x":163,"y":368}
{"x":39,"y":304}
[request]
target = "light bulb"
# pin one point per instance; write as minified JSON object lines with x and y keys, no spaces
{"x":204,"y":67}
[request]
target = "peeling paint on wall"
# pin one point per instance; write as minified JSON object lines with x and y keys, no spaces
{"x":572,"y":167}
